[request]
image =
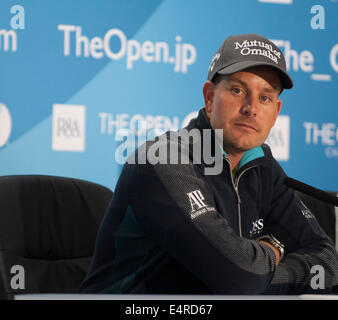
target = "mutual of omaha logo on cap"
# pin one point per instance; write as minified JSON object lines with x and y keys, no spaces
{"x":248,"y":50}
{"x":255,"y":47}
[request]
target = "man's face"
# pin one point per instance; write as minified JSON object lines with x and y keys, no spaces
{"x":245,"y":105}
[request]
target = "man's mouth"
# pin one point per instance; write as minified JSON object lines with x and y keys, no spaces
{"x":246,"y":126}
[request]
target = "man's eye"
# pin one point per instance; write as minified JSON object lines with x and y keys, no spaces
{"x":236,"y":90}
{"x":265,"y":98}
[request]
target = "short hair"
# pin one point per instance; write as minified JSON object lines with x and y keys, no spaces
{"x":217,"y":78}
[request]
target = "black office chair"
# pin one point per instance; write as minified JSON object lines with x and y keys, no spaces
{"x":48,"y":228}
{"x":325,"y":213}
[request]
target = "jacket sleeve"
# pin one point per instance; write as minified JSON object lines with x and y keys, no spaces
{"x":310,"y":263}
{"x":175,"y":207}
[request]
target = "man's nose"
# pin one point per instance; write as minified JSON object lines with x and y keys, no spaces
{"x":249,"y":107}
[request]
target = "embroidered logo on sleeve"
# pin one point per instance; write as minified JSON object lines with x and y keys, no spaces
{"x":197,"y":203}
{"x":305,"y":211}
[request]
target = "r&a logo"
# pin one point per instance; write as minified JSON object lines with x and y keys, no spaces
{"x":68,"y":127}
{"x":279,"y":138}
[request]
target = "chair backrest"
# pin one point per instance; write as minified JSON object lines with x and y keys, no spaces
{"x":325,"y":213}
{"x":48,"y":228}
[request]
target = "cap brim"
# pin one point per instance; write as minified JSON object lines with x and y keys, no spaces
{"x":240,"y":66}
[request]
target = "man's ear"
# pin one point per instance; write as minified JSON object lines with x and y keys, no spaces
{"x":279,"y":107}
{"x":208,"y":94}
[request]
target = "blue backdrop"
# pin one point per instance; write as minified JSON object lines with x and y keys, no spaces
{"x":76,"y":75}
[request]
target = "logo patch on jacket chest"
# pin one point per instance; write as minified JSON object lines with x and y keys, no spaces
{"x":257,"y":227}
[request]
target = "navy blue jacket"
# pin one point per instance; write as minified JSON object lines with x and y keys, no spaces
{"x":170,"y":228}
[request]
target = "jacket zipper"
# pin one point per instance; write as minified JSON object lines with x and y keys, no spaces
{"x":235,"y":185}
{"x":239,"y":199}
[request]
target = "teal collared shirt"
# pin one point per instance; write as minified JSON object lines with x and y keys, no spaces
{"x":248,"y":156}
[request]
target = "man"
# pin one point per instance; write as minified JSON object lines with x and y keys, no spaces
{"x":172,"y":228}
